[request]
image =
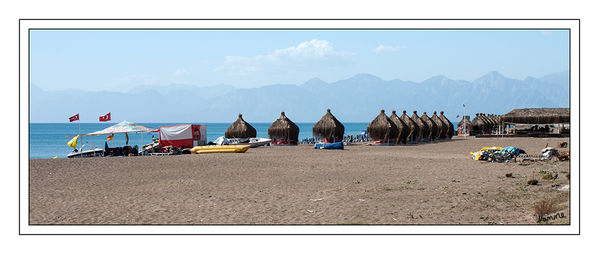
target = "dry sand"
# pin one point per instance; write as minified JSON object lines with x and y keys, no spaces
{"x":435,"y":183}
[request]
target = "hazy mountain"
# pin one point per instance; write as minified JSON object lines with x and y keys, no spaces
{"x":356,"y":99}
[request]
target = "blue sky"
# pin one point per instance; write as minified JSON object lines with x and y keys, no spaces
{"x":123,"y":59}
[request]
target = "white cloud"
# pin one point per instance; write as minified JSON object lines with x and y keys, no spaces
{"x":313,"y":50}
{"x":382,"y":48}
{"x":545,"y":32}
{"x":180,"y":72}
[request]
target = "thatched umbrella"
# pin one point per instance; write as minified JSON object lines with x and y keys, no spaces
{"x":382,"y":128}
{"x":413,"y":127}
{"x":478,"y":124}
{"x":422,"y":127}
{"x":449,"y":125}
{"x":328,"y":128}
{"x":404,"y":129}
{"x":240,"y":129}
{"x":496,"y":121}
{"x":489,"y":122}
{"x":433,"y":129}
{"x":442,"y":126}
{"x":283,"y":130}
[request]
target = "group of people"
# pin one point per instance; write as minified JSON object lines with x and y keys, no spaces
{"x":121,"y":151}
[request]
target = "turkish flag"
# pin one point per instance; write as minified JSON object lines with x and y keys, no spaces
{"x":105,"y":118}
{"x":74,"y":118}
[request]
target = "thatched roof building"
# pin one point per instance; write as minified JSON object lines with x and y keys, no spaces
{"x":423,"y":128}
{"x":537,"y":116}
{"x":283,"y":130}
{"x":413,"y":127}
{"x":442,"y":133}
{"x":449,"y":125}
{"x":433,"y":129}
{"x":328,"y":128}
{"x":240,"y":129}
{"x":404,"y":129}
{"x":382,"y":129}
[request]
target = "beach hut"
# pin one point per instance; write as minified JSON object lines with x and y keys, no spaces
{"x":382,"y":129}
{"x":283,"y":131}
{"x":450,"y":126}
{"x":328,"y":129}
{"x":433,"y":129}
{"x":442,"y":134}
{"x":537,"y":116}
{"x":402,"y":127}
{"x":240,"y":129}
{"x":423,"y":128}
{"x":413,"y":127}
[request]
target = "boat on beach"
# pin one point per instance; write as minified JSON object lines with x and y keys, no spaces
{"x":93,"y":152}
{"x":252,"y":142}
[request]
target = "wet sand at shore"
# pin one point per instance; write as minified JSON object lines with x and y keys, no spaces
{"x":434,"y":183}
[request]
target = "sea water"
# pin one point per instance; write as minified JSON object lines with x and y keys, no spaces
{"x":47,"y":140}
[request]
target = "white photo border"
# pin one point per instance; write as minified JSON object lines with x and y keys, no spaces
{"x":573,"y":25}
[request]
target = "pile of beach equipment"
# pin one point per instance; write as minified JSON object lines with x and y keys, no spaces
{"x":497,"y":154}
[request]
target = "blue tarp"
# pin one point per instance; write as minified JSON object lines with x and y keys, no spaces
{"x":338,"y":145}
{"x":512,"y":150}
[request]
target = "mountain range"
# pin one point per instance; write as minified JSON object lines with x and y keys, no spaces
{"x":356,"y":99}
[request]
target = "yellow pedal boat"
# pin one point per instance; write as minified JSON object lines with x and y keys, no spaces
{"x":220,"y":149}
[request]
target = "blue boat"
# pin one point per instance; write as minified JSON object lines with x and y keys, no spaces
{"x":337,"y":145}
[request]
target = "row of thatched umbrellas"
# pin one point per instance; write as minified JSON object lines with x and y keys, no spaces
{"x":394,"y":129}
{"x":403,"y":129}
{"x":485,"y":123}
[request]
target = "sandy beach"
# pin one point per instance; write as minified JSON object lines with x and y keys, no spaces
{"x":434,"y":183}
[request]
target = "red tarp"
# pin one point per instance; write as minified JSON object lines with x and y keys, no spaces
{"x":183,"y":136}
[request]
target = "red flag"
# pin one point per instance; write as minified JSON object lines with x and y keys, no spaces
{"x":105,"y":118}
{"x":74,"y":118}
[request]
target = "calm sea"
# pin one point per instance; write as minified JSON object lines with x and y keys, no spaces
{"x":47,"y":140}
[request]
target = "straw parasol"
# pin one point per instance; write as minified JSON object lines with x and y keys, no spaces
{"x":240,"y":129}
{"x":478,"y":124}
{"x":422,"y":127}
{"x":538,"y":116}
{"x":413,"y":127}
{"x":442,"y":134}
{"x":283,"y":130}
{"x":489,"y":124}
{"x":404,"y":129}
{"x":433,"y":129}
{"x":382,"y":128}
{"x":328,"y":128}
{"x":449,"y":125}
